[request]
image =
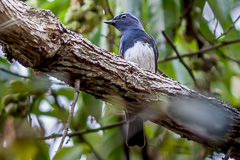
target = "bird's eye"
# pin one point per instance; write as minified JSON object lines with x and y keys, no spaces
{"x":123,"y":16}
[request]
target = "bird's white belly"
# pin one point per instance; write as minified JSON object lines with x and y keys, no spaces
{"x":141,"y":54}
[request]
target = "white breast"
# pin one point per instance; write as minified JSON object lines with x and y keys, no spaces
{"x":141,"y":54}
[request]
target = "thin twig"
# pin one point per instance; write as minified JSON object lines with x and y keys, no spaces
{"x":77,"y":87}
{"x":180,"y":58}
{"x":201,"y":51}
{"x":15,"y":74}
{"x":227,"y":57}
{"x":77,"y":133}
{"x":206,"y":49}
{"x":110,"y":40}
{"x":96,"y":155}
{"x":224,"y":55}
{"x":228,"y":154}
{"x":42,"y":130}
{"x":27,"y":77}
{"x":215,"y":28}
{"x":160,"y":71}
{"x":227,"y":30}
{"x":28,"y":111}
{"x":186,"y":11}
{"x":109,"y":9}
{"x":111,"y":35}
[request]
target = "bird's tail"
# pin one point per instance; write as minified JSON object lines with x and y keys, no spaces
{"x":135,"y":134}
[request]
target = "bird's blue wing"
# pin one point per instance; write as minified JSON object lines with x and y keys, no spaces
{"x":121,"y":53}
{"x":155,"y":49}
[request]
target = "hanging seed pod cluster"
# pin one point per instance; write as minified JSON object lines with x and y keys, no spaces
{"x":83,"y":15}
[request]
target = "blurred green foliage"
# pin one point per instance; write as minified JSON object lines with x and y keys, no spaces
{"x":184,"y":21}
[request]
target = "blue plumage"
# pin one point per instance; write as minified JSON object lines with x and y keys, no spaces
{"x":139,"y":47}
{"x":133,"y":32}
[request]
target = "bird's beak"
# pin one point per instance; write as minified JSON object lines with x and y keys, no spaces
{"x":112,"y":22}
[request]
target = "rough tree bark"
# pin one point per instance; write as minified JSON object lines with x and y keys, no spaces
{"x":37,"y":39}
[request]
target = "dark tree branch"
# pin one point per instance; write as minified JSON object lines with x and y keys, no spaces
{"x":201,"y":51}
{"x":186,"y":11}
{"x":77,"y":133}
{"x":190,"y":28}
{"x":180,"y":58}
{"x":110,"y":78}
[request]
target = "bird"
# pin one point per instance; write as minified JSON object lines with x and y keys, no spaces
{"x":139,"y":47}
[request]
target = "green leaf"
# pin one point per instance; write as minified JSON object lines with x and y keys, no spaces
{"x":93,"y":105}
{"x":171,"y":9}
{"x":70,"y":153}
{"x":223,"y":90}
{"x":112,"y":141}
{"x":89,"y":106}
{"x":38,"y":85}
{"x":168,"y":69}
{"x":25,"y":149}
{"x":4,"y":62}
{"x":221,"y":10}
{"x":17,"y":86}
{"x":67,"y":92}
{"x":4,"y":91}
{"x":200,"y":3}
{"x":95,"y":35}
{"x":205,"y":30}
{"x":94,"y":139}
{"x":133,"y":7}
{"x":43,"y":151}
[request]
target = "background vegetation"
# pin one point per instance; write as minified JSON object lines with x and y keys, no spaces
{"x":34,"y":105}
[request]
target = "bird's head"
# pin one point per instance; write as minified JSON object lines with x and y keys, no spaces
{"x":124,"y":22}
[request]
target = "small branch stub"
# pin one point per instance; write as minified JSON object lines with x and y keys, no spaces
{"x":67,"y":126}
